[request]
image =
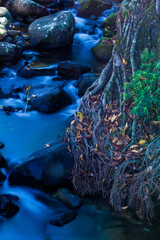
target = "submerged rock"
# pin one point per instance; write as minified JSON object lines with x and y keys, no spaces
{"x":29,"y":72}
{"x":68,"y":198}
{"x":26,"y":8}
{"x":49,"y":98}
{"x":49,"y":166}
{"x":72,"y":70}
{"x":7,"y":206}
{"x":9,"y":52}
{"x":53,"y":31}
{"x":60,"y":218}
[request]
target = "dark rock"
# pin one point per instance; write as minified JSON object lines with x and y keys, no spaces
{"x":7,"y":206}
{"x":103,"y":50}
{"x":61,"y":218}
{"x":53,"y":31}
{"x":2,"y":178}
{"x":49,"y":98}
{"x":49,"y":166}
{"x":57,"y":78}
{"x":85,"y":81}
{"x":72,"y":70}
{"x":62,"y":4}
{"x":9,"y":52}
{"x":26,"y":8}
{"x":68,"y":198}
{"x":92,"y":7}
{"x":29,"y":72}
{"x":1,"y":145}
{"x":2,"y":161}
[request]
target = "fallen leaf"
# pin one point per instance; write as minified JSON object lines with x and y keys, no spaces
{"x":72,"y":122}
{"x":47,"y":145}
{"x":34,"y":96}
{"x":142,"y":141}
{"x":124,"y":208}
{"x":80,"y":115}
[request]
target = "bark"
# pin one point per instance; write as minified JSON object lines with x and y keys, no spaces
{"x":90,"y":139}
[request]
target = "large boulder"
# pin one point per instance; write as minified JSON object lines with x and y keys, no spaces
{"x":26,"y":8}
{"x":49,"y":98}
{"x":49,"y":166}
{"x":5,"y":13}
{"x":9,"y":52}
{"x":52,"y":31}
{"x":72,"y":70}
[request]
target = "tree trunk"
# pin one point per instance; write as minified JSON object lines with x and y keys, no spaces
{"x":100,"y":166}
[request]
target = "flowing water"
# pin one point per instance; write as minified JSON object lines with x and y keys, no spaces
{"x":23,"y":133}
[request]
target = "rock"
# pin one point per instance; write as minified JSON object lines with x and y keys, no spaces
{"x":109,"y":26}
{"x":85,"y":81}
{"x":103,"y":50}
{"x":29,"y":72}
{"x":49,"y":166}
{"x":1,"y":144}
{"x":68,"y":198}
{"x":5,"y":13}
{"x":92,"y":7}
{"x":4,"y":21}
{"x":52,"y":31}
{"x":21,"y":41}
{"x":72,"y":70}
{"x":49,"y":98}
{"x":2,"y":178}
{"x":3,"y":34}
{"x":2,"y":161}
{"x":60,"y":218}
{"x":7,"y":206}
{"x":9,"y":52}
{"x":26,"y":8}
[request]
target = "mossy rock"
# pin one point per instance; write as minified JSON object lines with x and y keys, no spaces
{"x":110,"y":21}
{"x":109,"y":26}
{"x":92,"y":7}
{"x":102,"y":51}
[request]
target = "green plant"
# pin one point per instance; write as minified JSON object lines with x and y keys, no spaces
{"x":144,"y":88}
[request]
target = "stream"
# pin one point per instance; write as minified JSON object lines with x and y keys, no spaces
{"x":24,"y":133}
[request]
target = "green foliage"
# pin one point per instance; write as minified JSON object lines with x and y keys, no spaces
{"x":144,"y":88}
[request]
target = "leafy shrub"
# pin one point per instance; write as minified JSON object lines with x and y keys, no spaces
{"x":144,"y":88}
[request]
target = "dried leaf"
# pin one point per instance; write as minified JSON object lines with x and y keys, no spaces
{"x":142,"y":141}
{"x":72,"y":122}
{"x":142,"y":78}
{"x":80,"y":115}
{"x":113,"y":118}
{"x":34,"y":96}
{"x":47,"y":146}
{"x":125,"y":207}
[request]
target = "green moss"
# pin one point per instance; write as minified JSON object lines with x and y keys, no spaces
{"x":110,"y":21}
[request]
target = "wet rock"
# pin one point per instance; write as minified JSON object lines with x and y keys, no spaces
{"x":9,"y":52}
{"x":2,"y":161}
{"x":5,"y":13}
{"x":103,"y":50}
{"x":3,"y":33}
{"x":49,"y":166}
{"x":72,"y":70}
{"x":26,"y":8}
{"x":68,"y":198}
{"x":57,"y":78}
{"x":4,"y":21}
{"x":85,"y":81}
{"x":60,"y":218}
{"x":92,"y":7}
{"x":52,"y":31}
{"x":49,"y":98}
{"x":2,"y":178}
{"x":1,"y":144}
{"x":7,"y":206}
{"x":109,"y":26}
{"x":29,"y":72}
